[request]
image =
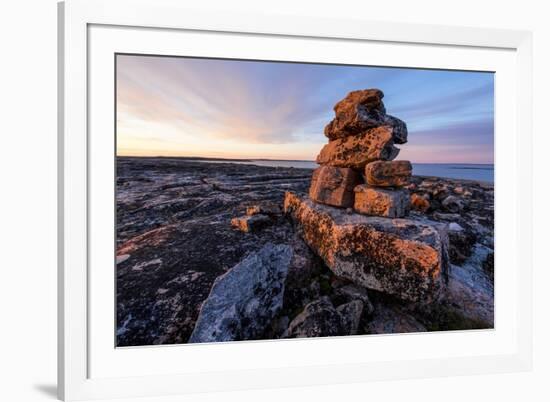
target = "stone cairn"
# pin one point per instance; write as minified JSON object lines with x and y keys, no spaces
{"x":357,"y":165}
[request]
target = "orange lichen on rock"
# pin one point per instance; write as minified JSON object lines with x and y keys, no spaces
{"x":358,"y":150}
{"x":403,"y":257}
{"x":388,"y":173}
{"x":151,"y":238}
{"x":362,"y":110}
{"x":333,"y":186}
{"x":419,"y":203}
{"x":381,"y":202}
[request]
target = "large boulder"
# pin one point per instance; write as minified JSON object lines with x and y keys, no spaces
{"x":381,"y":202}
{"x":404,"y":257}
{"x":358,"y":150}
{"x":388,"y":173}
{"x":243,"y":302}
{"x":362,"y":110}
{"x":333,"y":186}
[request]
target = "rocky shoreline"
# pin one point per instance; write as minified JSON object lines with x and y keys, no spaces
{"x":181,"y":224}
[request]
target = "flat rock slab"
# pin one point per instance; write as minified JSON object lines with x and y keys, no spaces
{"x":358,"y":150}
{"x":333,"y":186}
{"x":403,"y":257}
{"x":244,"y":301}
{"x":388,"y":173}
{"x":382,"y":202}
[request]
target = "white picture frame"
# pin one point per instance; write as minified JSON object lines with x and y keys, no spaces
{"x":78,"y":346}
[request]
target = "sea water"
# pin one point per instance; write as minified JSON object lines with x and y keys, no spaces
{"x":469,"y":171}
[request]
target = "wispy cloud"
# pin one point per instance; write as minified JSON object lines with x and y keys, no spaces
{"x":174,"y":101}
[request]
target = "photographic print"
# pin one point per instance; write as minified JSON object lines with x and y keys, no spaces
{"x":267,"y":200}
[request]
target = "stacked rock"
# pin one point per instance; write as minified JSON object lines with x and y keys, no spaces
{"x":357,"y":168}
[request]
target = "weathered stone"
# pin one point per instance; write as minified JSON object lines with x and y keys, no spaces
{"x":388,"y":173}
{"x":419,"y":203}
{"x":468,"y":302}
{"x":455,"y":227}
{"x":250,"y":223}
{"x":404,"y":257}
{"x":270,"y":209}
{"x":279,"y":326}
{"x":358,"y":111}
{"x":243,"y":302}
{"x":380,"y":202}
{"x":400,"y":132}
{"x":390,"y":319}
{"x":334,"y":186}
{"x":304,"y":267}
{"x":453,"y":204}
{"x":319,"y":318}
{"x":362,"y":110}
{"x":358,"y":150}
{"x":350,"y":314}
{"x":461,"y":243}
{"x":353,"y":292}
{"x":489,"y":265}
{"x":445,"y":217}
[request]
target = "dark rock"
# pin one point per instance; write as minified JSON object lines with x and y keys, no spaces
{"x":399,"y":127}
{"x":469,"y":299}
{"x":319,"y":318}
{"x":488,"y":266}
{"x":404,"y":257}
{"x":461,"y":243}
{"x":250,"y":223}
{"x":301,"y":281}
{"x":279,"y":326}
{"x":350,"y":314}
{"x":445,"y":217}
{"x":381,"y":202}
{"x":452,"y":203}
{"x":351,"y":292}
{"x":304,"y":265}
{"x":244,"y":301}
{"x":267,"y":208}
{"x":389,"y":318}
{"x":334,"y":186}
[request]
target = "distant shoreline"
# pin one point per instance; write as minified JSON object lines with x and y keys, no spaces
{"x":206,"y":159}
{"x":480,"y":173}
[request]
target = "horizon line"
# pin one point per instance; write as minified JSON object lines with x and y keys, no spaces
{"x":272,"y":160}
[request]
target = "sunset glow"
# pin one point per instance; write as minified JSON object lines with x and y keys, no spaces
{"x":168,"y":106}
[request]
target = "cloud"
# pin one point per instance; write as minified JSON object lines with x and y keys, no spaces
{"x":465,"y":132}
{"x":172,"y":100}
{"x":455,"y":103}
{"x":227,"y":100}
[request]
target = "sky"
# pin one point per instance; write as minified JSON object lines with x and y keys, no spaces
{"x":174,"y":106}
